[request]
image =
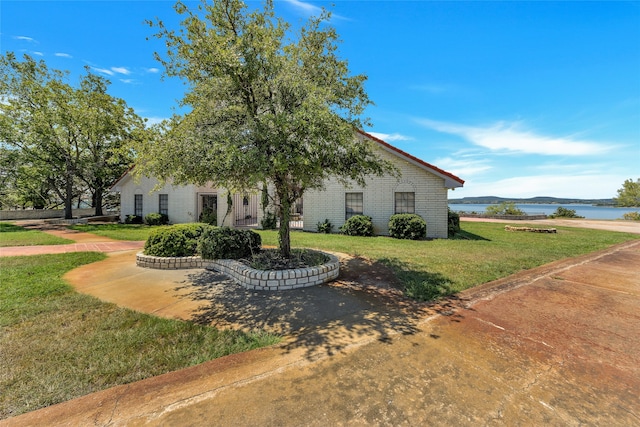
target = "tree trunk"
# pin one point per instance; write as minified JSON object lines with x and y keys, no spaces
{"x":68,"y":190}
{"x":68,"y":199}
{"x":97,"y":202}
{"x":284,"y":214}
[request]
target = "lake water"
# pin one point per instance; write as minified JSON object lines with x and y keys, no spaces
{"x":587,"y":211}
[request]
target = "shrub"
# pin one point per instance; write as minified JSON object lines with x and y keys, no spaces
{"x":325,"y":227}
{"x":565,"y":213}
{"x":271,"y":259}
{"x":156,"y":219}
{"x":453,"y":223}
{"x":504,"y":208}
{"x":228,"y":243}
{"x":269,"y":221}
{"x":358,"y":225}
{"x":133,"y":219}
{"x":208,"y":216}
{"x":407,"y":226}
{"x":632,"y":216}
{"x":174,"y":241}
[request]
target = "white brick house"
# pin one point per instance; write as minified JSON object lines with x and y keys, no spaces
{"x":421,"y":188}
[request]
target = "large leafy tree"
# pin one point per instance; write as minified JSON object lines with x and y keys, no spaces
{"x":267,"y":106}
{"x":23,"y":184}
{"x":107,"y":126}
{"x":66,"y":135}
{"x":629,"y":194}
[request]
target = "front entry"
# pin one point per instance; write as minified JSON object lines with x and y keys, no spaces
{"x":208,"y":209}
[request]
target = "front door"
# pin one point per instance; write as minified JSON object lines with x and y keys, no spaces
{"x":208,"y":209}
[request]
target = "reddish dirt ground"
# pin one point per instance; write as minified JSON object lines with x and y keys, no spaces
{"x":556,"y":345}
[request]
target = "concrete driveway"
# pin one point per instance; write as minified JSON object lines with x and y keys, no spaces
{"x":556,"y":345}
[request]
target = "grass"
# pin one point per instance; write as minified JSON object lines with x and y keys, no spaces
{"x":134,"y":232}
{"x":483,"y":252}
{"x":57,"y":344}
{"x":14,"y":235}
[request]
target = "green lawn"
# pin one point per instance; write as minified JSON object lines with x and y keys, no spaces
{"x":13,"y":235}
{"x":432,"y":268}
{"x":135,"y":232}
{"x":429,"y":269}
{"x":57,"y":344}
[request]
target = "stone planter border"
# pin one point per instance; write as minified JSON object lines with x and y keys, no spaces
{"x":250,"y":278}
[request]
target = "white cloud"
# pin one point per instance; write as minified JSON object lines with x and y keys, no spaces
{"x":26,"y":39}
{"x":128,"y":81}
{"x":103,"y":71}
{"x":152,"y":70}
{"x":511,"y":137}
{"x":309,"y":9}
{"x":462,"y":167}
{"x":63,"y":55}
{"x":306,"y":7}
{"x":37,"y":53}
{"x":121,"y":70}
{"x":585,"y":186}
{"x":390,"y":137}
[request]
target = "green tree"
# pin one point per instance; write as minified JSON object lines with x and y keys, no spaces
{"x":504,"y":208}
{"x":107,"y":126}
{"x":267,"y":107}
{"x":66,"y":134}
{"x":22,"y":183}
{"x":629,"y":194}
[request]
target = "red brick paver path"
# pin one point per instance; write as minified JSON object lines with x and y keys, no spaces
{"x":74,"y":247}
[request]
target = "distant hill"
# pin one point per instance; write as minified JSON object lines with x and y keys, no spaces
{"x":494,"y":200}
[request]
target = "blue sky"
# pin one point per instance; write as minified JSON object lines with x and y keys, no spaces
{"x":519,"y":99}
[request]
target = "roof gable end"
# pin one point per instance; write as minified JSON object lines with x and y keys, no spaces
{"x":451,"y":181}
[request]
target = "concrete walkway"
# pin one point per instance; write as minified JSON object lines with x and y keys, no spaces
{"x":555,"y":345}
{"x":83,"y":242}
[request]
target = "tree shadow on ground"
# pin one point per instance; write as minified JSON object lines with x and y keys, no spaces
{"x":465,"y":235}
{"x":365,"y":303}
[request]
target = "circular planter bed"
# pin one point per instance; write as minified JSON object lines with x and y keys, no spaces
{"x":250,"y":278}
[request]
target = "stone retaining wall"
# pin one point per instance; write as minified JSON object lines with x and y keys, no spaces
{"x":270,"y":280}
{"x":530,"y":229}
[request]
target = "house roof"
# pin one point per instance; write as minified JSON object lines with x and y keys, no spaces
{"x":124,"y":174}
{"x":451,"y":181}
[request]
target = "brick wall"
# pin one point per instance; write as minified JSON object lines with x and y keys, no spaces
{"x":378,"y":198}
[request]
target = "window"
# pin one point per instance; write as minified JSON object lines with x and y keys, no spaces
{"x":353,"y":204}
{"x":163,"y":204}
{"x":405,"y":203}
{"x":137,"y":205}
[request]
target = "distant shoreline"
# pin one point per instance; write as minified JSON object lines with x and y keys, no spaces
{"x":542,"y":200}
{"x":586,"y":210}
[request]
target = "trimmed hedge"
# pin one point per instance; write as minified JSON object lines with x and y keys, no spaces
{"x":358,"y":225}
{"x":156,"y":219}
{"x":228,"y":243}
{"x":407,"y":226}
{"x":325,"y":227}
{"x":175,"y":241}
{"x":133,"y":219}
{"x":453,"y":223}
